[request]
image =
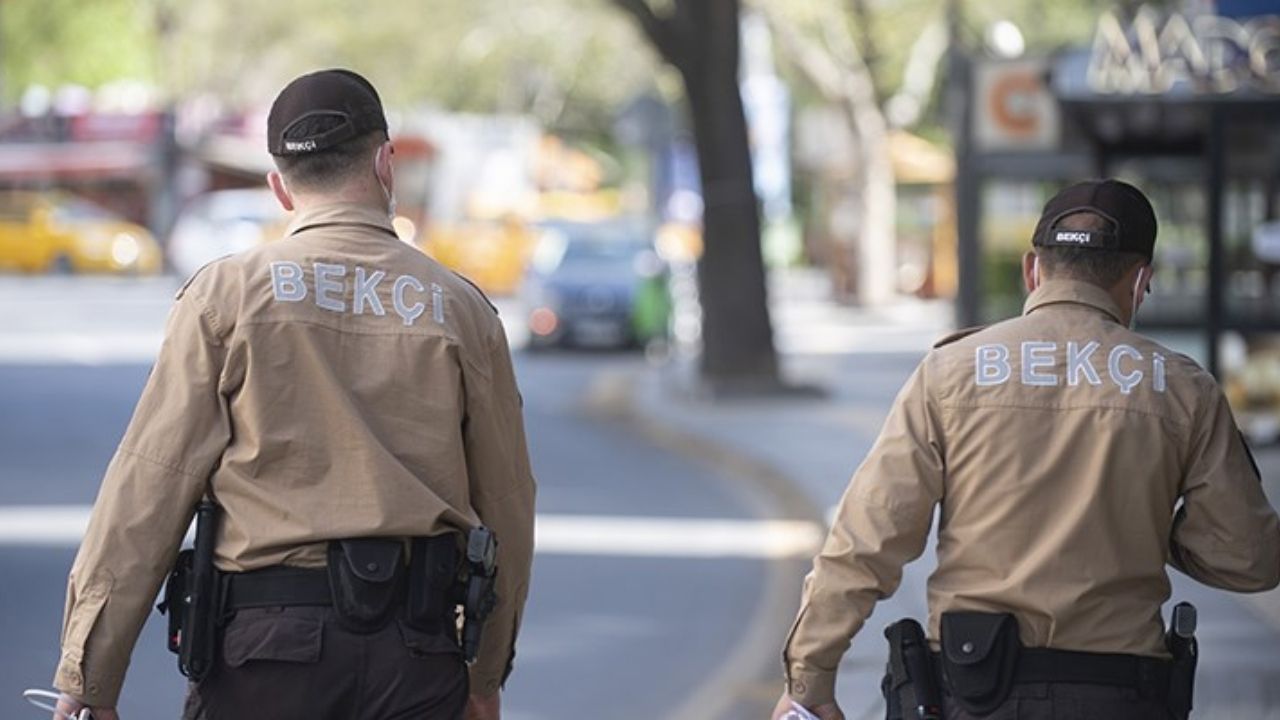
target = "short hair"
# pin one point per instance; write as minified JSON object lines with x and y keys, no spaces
{"x":331,"y":168}
{"x":1103,"y":268}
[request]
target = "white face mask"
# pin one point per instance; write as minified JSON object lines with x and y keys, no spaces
{"x":1035,"y":271}
{"x":391,"y":199}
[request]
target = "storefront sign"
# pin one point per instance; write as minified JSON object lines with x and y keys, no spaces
{"x":1206,"y":54}
{"x":1015,"y":109}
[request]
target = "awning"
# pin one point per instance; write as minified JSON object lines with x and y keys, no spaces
{"x":75,"y":161}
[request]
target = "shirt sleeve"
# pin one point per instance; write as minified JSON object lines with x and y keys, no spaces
{"x":502,"y":494}
{"x":147,"y":498}
{"x":1225,"y":534}
{"x":881,"y":524}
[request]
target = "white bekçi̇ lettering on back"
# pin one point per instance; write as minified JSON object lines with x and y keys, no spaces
{"x":329,"y":291}
{"x":1041,"y":365}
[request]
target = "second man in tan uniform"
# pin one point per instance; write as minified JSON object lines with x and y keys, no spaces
{"x":1058,"y":446}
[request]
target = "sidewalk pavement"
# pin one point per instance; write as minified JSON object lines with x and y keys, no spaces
{"x":817,"y":442}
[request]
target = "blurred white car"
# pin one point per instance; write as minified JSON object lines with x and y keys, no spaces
{"x":221,"y":223}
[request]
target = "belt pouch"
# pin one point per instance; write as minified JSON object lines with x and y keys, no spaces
{"x":433,"y":582}
{"x":980,"y":658}
{"x":366,"y":577}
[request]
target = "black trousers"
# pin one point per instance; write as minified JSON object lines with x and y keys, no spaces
{"x":1066,"y":701}
{"x":298,"y":662}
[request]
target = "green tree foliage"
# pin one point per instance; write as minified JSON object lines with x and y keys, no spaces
{"x":58,"y":42}
{"x":568,"y":62}
{"x":891,"y":27}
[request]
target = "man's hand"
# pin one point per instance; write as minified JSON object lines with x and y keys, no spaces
{"x":484,"y":707}
{"x":69,"y":707}
{"x":828,"y":711}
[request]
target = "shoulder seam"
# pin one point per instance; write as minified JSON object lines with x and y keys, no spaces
{"x":476,"y":287}
{"x":959,"y":335}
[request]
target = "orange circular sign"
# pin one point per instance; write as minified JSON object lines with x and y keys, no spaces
{"x":1012,"y":102}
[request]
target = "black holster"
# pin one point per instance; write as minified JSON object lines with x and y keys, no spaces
{"x":192,"y":600}
{"x":434,"y":567}
{"x":1182,"y":674}
{"x":910,"y":685}
{"x":366,"y":580}
{"x":979,"y":658}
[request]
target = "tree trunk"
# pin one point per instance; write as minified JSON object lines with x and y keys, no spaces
{"x":736,"y":331}
{"x":877,"y":236}
{"x":840,"y":74}
{"x":701,"y":39}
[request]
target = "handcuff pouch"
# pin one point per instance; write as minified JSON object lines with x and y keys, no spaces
{"x":979,"y":658}
{"x":366,"y":578}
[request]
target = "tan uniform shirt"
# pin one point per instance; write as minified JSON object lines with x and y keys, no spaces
{"x":1058,"y":444}
{"x":337,"y":383}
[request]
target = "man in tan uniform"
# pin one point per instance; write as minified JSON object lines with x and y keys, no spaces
{"x":1059,"y":445}
{"x":335,"y":384}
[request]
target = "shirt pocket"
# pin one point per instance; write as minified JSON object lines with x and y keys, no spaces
{"x":255,"y":635}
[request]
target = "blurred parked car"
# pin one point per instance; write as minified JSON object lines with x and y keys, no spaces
{"x":59,"y":232}
{"x":595,"y":285}
{"x":221,"y":223}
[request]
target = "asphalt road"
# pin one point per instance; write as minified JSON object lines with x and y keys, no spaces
{"x":628,"y":634}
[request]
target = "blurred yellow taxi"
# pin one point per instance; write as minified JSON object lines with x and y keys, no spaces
{"x":492,"y":254}
{"x":53,"y":231}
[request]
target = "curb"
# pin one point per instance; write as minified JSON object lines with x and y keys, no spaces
{"x":737,"y":688}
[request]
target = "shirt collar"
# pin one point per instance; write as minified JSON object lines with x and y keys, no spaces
{"x":1052,"y":292}
{"x":339,"y":213}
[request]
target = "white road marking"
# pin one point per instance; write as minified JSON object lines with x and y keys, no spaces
{"x":675,"y":537}
{"x":87,"y":348}
{"x":64,"y":526}
{"x":47,"y":525}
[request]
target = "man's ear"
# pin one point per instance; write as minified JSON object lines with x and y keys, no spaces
{"x":1030,"y":268}
{"x":276,"y":182}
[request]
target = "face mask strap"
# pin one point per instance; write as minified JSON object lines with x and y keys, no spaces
{"x":1137,"y":295}
{"x":391,"y":198}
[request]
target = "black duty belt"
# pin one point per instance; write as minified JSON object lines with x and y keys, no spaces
{"x":1068,"y":666}
{"x":276,"y":587}
{"x":1148,"y":675}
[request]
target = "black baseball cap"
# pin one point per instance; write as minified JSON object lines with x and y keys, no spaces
{"x":1131,"y":220}
{"x":339,"y":94}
